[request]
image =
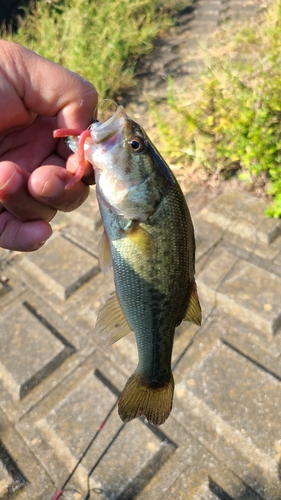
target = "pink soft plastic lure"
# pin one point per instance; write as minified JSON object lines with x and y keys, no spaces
{"x":82,"y":137}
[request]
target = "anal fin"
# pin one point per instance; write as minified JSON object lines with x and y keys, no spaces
{"x":193,"y":312}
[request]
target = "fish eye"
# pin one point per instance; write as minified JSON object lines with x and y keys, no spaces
{"x":137,"y":144}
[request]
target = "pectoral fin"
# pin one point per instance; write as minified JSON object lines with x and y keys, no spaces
{"x":141,"y":238}
{"x":193,"y":312}
{"x":111,"y":324}
{"x":105,"y":257}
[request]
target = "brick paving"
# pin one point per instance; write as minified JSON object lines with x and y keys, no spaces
{"x":58,"y":381}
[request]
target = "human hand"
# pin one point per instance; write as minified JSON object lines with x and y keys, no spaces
{"x":36,"y":97}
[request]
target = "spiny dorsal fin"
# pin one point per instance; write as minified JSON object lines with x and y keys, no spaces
{"x":111,"y":324}
{"x":193,"y":312}
{"x":105,"y":257}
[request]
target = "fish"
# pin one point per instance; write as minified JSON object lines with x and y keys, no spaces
{"x":149,"y":240}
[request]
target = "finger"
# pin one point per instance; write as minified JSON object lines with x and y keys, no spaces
{"x":46,"y":88}
{"x":22,"y":236}
{"x":47,"y":185}
{"x":16,"y":199}
{"x":29,"y":147}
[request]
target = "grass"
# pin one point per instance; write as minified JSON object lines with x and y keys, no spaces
{"x":231,"y":121}
{"x":99,"y":39}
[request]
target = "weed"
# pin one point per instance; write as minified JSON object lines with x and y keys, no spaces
{"x":100,"y":40}
{"x":231,"y":119}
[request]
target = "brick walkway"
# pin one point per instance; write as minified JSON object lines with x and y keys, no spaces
{"x":58,"y":381}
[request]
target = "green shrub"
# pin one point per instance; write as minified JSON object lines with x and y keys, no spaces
{"x":99,"y":39}
{"x":231,"y":119}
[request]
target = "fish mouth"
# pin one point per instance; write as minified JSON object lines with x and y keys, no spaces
{"x":107,"y":131}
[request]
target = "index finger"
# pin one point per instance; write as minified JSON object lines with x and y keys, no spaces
{"x":36,"y":85}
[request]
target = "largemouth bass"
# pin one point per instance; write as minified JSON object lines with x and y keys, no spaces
{"x":149,"y":239}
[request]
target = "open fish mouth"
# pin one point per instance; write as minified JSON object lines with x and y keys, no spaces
{"x":104,"y":132}
{"x":98,"y":139}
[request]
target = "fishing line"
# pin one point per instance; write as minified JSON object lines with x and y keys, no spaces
{"x":60,"y":492}
{"x":103,"y":106}
{"x":101,"y":457}
{"x":100,"y":427}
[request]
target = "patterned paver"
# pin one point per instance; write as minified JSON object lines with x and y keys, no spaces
{"x":59,"y":382}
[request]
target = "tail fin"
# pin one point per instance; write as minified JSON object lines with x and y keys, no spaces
{"x":139,"y":399}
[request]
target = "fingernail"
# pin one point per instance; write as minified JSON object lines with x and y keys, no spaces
{"x":10,"y":183}
{"x":39,"y":245}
